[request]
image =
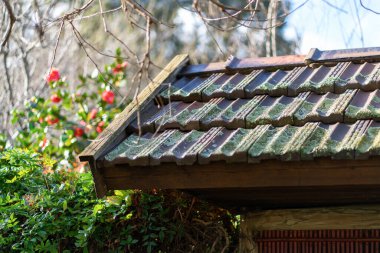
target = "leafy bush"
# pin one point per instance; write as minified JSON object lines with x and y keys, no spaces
{"x":43,"y":211}
{"x":47,"y":199}
{"x":61,"y":126}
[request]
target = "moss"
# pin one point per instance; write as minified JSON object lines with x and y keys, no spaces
{"x":376,"y":99}
{"x":325,"y":106}
{"x":307,"y":86}
{"x":311,"y":144}
{"x":193,"y":136}
{"x":180,"y":93}
{"x":352,"y":111}
{"x":212,"y":113}
{"x":185,"y":115}
{"x":265,"y":87}
{"x":276,"y":111}
{"x":304,"y":110}
{"x":233,"y":143}
{"x":229,"y":114}
{"x":210,"y":89}
{"x":368,"y":113}
{"x":323,"y":86}
{"x":370,"y":141}
{"x":130,"y":147}
{"x":228,"y":87}
{"x":257,"y":113}
{"x":281,"y":142}
{"x":169,"y":142}
{"x":328,"y":149}
{"x":258,"y":147}
{"x":210,"y":149}
{"x":369,"y":77}
{"x":355,"y":112}
{"x":166,"y":93}
{"x":173,"y":139}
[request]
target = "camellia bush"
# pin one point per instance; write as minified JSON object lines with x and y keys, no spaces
{"x":62,"y":125}
{"x":47,"y":198}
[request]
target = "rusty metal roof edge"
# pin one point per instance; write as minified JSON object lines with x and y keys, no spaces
{"x":354,"y":54}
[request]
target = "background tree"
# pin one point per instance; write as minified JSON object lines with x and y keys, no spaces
{"x":80,"y":36}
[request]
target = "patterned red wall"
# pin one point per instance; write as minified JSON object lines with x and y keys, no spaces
{"x":319,"y":241}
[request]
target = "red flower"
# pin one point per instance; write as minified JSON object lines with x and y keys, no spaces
{"x":41,"y":120}
{"x":51,"y":120}
{"x":55,"y":98}
{"x":108,"y":96}
{"x":100,"y":126}
{"x":119,"y":67}
{"x":93,"y":113}
{"x":53,"y":75}
{"x":78,"y":132}
{"x":43,"y":143}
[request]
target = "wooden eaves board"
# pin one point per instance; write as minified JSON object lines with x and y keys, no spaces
{"x":262,"y":185}
{"x":116,"y":131}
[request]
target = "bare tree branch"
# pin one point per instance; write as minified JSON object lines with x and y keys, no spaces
{"x":12,"y":20}
{"x":368,"y":9}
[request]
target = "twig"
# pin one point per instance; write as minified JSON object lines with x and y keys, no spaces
{"x":12,"y":20}
{"x":143,"y":12}
{"x":8,"y":78}
{"x":368,"y":9}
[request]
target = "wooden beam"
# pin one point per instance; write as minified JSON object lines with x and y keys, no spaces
{"x":270,"y":173}
{"x":247,"y":199}
{"x":116,"y":131}
{"x":343,"y":217}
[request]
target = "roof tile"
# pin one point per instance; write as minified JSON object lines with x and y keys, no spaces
{"x":355,"y":77}
{"x":294,"y":113}
{"x":370,"y":144}
{"x":316,"y":80}
{"x":156,"y":156}
{"x":267,"y":83}
{"x":328,"y":108}
{"x":364,"y":105}
{"x":276,"y":111}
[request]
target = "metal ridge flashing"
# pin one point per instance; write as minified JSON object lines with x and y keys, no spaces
{"x":369,"y":54}
{"x":234,"y":64}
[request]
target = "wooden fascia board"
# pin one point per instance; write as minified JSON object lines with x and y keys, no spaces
{"x":343,"y":217}
{"x":116,"y":131}
{"x":270,"y":173}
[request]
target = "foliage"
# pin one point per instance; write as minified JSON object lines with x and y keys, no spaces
{"x":47,"y":205}
{"x":59,"y":211}
{"x":62,"y":125}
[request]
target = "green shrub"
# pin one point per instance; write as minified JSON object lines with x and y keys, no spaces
{"x":45,"y":211}
{"x":47,"y":198}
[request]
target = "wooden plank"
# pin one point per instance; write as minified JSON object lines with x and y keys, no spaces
{"x":119,"y":124}
{"x":270,"y":173}
{"x":116,"y":131}
{"x":343,"y":217}
{"x":262,"y":198}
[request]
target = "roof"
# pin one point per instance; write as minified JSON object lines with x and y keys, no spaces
{"x":245,"y":111}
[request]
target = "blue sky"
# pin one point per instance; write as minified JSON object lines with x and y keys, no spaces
{"x":319,"y":25}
